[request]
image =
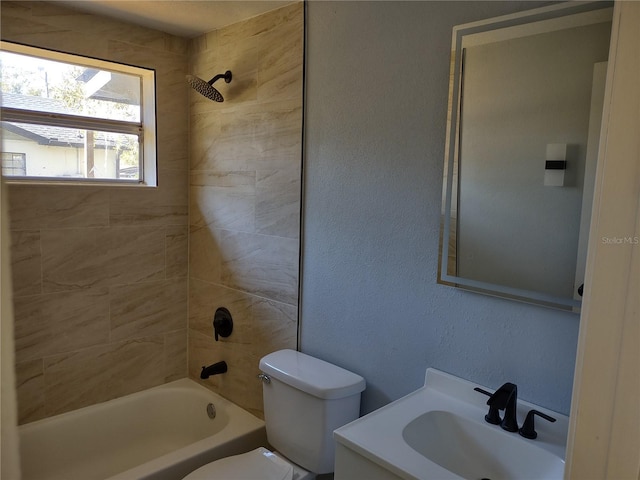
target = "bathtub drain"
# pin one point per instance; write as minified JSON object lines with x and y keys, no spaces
{"x":211,"y":411}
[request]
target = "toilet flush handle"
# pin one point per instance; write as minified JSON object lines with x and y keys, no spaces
{"x":264,"y":377}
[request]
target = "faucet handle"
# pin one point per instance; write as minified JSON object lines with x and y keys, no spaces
{"x":478,"y":389}
{"x":222,"y":323}
{"x":493,"y":416}
{"x":528,"y":428}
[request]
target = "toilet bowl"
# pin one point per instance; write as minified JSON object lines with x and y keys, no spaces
{"x":258,"y":464}
{"x":305,"y":400}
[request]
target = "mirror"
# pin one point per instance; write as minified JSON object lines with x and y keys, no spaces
{"x":525,"y":108}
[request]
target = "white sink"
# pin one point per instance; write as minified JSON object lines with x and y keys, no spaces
{"x":480,"y":451}
{"x":439,"y":432}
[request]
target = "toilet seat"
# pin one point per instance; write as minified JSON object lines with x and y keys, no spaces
{"x":258,"y":464}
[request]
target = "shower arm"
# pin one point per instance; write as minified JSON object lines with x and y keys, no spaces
{"x":226,"y":76}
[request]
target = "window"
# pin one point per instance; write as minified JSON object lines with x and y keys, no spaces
{"x":14,"y":164}
{"x":75,"y":118}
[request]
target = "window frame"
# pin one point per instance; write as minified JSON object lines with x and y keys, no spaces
{"x":22,"y":157}
{"x":145,"y":129}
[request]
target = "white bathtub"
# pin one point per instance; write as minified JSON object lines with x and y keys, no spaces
{"x":158,"y":434}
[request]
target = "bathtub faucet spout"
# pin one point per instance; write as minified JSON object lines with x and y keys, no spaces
{"x":215,"y":369}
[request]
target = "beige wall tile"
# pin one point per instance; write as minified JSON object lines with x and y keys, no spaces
{"x":240,"y":384}
{"x":163,"y":205}
{"x":175,"y":355}
{"x":274,"y":326}
{"x":249,"y":137}
{"x":19,"y":26}
{"x":66,"y":40}
{"x":133,"y":254}
{"x":140,"y":214}
{"x":242,"y":58}
{"x":166,"y":63}
{"x":138,"y":365}
{"x":223,"y":208}
{"x":77,"y":379}
{"x":30,"y":391}
{"x":264,"y":324}
{"x":60,"y":322}
{"x":199,"y":44}
{"x":125,"y":251}
{"x":145,"y":309}
{"x":279,"y":178}
{"x":205,"y":254}
{"x":203,"y":351}
{"x":278,"y":210}
{"x":241,"y":181}
{"x":87,"y":240}
{"x":205,"y":298}
{"x":245,"y":199}
{"x":79,"y":258}
{"x":15,"y":9}
{"x":57,"y":206}
{"x":58,"y":16}
{"x":177,"y":251}
{"x":260,"y":264}
{"x":173,"y":151}
{"x":260,"y":25}
{"x":280,"y":69}
{"x":26,"y":262}
{"x":73,"y":380}
{"x":205,"y":129}
{"x":70,"y":259}
{"x":97,"y":374}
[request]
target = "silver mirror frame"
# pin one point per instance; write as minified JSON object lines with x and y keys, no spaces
{"x":448,"y":228}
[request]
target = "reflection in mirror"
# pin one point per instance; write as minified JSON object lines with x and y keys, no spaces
{"x":525,"y":107}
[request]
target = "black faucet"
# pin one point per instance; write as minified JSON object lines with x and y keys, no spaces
{"x":215,"y":369}
{"x":528,"y":430}
{"x":505,"y":398}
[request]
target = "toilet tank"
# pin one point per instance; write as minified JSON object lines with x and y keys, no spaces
{"x":305,"y":401}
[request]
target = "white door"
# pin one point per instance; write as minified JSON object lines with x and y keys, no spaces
{"x":604,"y":433}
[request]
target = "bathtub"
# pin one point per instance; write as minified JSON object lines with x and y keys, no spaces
{"x":158,"y":434}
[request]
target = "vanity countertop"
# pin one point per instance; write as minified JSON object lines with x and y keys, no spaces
{"x":379,"y":438}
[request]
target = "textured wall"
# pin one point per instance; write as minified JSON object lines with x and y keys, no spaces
{"x":100,"y":273}
{"x":245,"y":197}
{"x":377,"y":86}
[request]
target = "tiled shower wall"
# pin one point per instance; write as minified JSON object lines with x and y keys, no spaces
{"x":100,"y":273}
{"x":245,"y":197}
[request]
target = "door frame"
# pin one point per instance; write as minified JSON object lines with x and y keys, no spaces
{"x":604,"y":428}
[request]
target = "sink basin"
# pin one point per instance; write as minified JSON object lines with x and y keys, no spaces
{"x":439,"y":432}
{"x":476,"y":451}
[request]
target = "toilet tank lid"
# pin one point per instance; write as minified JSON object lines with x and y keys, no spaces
{"x":312,"y":375}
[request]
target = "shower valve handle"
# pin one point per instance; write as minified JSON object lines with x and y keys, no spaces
{"x":222,"y":323}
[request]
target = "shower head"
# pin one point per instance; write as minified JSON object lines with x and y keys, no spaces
{"x":206,"y":88}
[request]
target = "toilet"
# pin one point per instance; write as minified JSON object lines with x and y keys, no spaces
{"x":305,"y":400}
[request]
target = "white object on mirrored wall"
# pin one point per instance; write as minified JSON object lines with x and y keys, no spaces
{"x":555,"y":165}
